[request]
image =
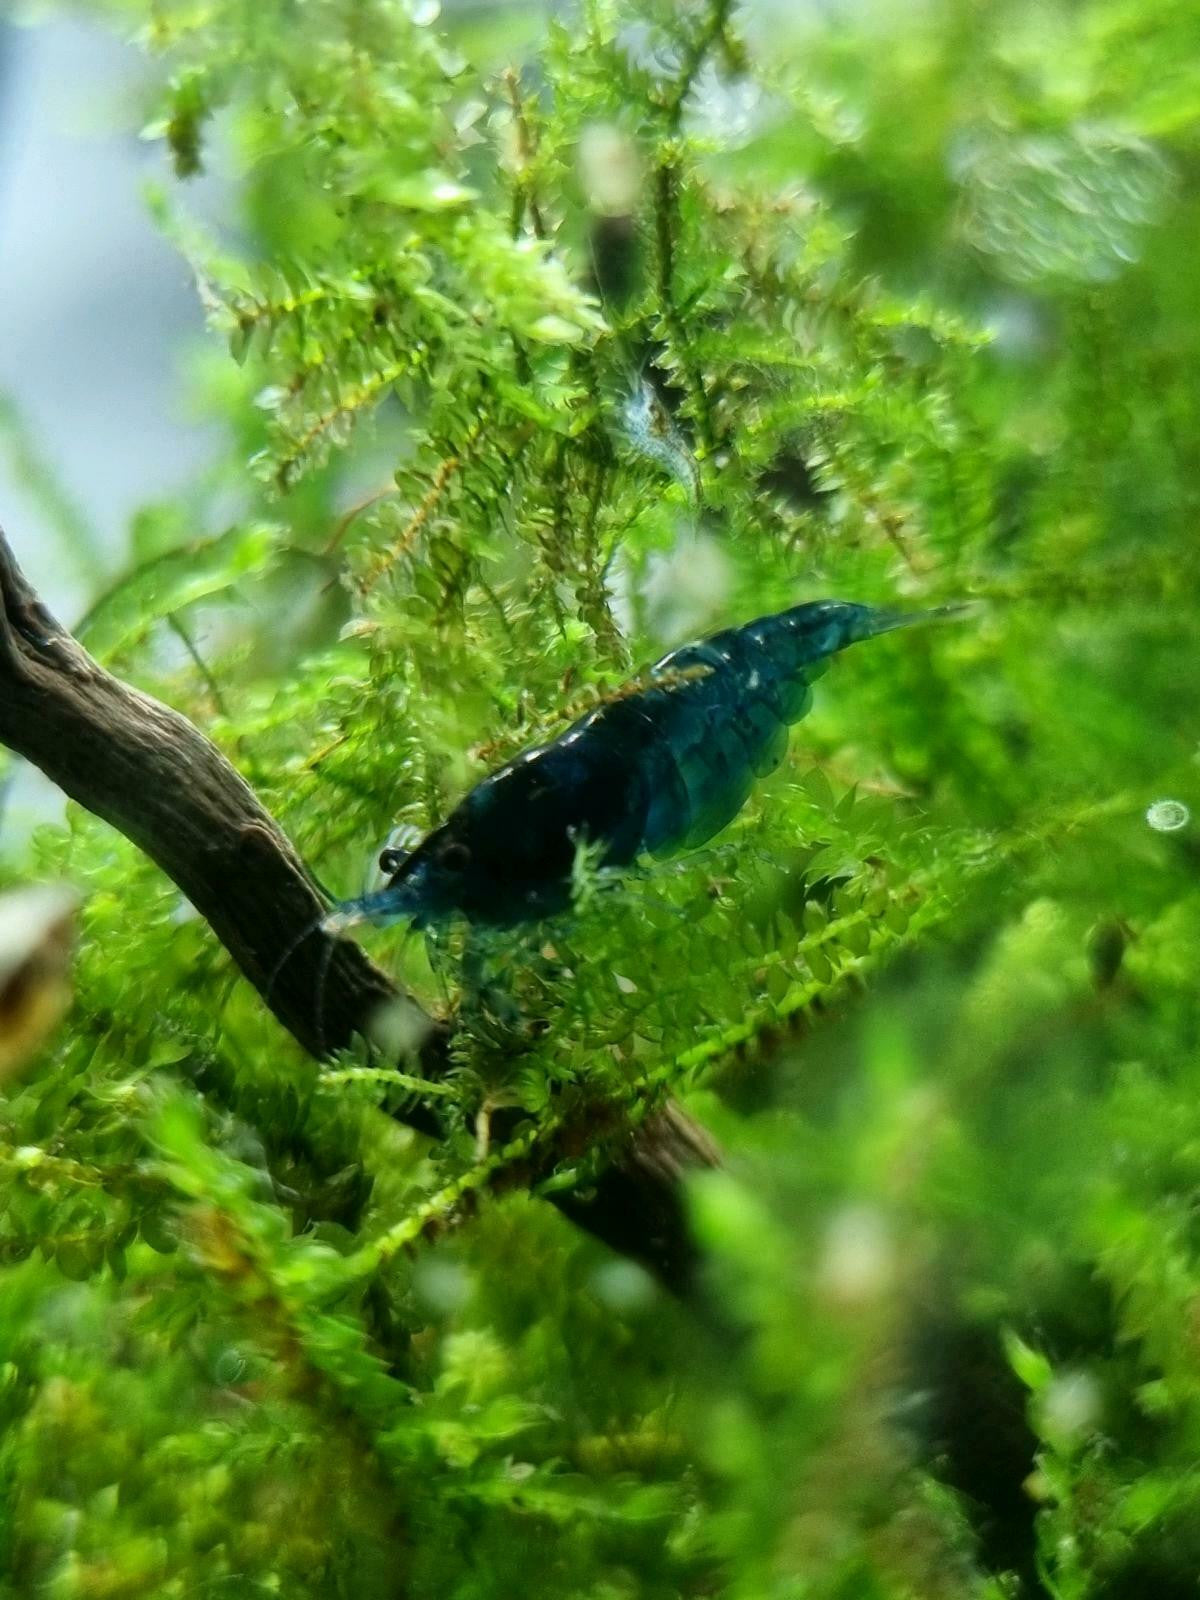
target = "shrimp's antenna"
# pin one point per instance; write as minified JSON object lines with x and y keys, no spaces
{"x":322,"y":980}
{"x":884,"y":621}
{"x":290,"y":950}
{"x":287,"y":955}
{"x":342,"y":914}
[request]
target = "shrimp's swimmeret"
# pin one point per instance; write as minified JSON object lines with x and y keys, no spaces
{"x":659,"y":769}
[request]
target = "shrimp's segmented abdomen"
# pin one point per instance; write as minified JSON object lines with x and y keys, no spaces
{"x":716,"y":733}
{"x":719,"y":730}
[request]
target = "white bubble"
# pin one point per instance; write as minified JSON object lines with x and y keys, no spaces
{"x":1075,"y":205}
{"x":725,"y":110}
{"x":857,"y":1259}
{"x":423,"y":12}
{"x":686,"y":587}
{"x":1168,"y":816}
{"x":398,"y":1028}
{"x":609,"y":169}
{"x":229,"y":1365}
{"x":444,"y":1286}
{"x":624,"y":1286}
{"x":1070,"y":1407}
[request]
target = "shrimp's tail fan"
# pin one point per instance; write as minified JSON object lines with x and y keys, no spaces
{"x":885,"y":620}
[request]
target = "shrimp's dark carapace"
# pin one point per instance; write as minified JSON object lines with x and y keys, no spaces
{"x":659,"y":769}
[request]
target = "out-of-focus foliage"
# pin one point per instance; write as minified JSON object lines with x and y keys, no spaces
{"x":541,"y":342}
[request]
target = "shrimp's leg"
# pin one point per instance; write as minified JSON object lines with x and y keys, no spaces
{"x":487,"y":1001}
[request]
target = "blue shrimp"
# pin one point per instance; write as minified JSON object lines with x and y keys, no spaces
{"x":659,"y":769}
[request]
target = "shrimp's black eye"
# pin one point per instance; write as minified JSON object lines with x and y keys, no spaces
{"x":391,"y":860}
{"x":454,"y":856}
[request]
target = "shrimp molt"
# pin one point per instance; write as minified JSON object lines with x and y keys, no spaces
{"x":659,"y":769}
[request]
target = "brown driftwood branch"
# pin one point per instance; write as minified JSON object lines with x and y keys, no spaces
{"x":156,"y":778}
{"x":146,"y":770}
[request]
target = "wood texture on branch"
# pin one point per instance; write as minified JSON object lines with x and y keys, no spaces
{"x":156,"y":778}
{"x":146,"y":770}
